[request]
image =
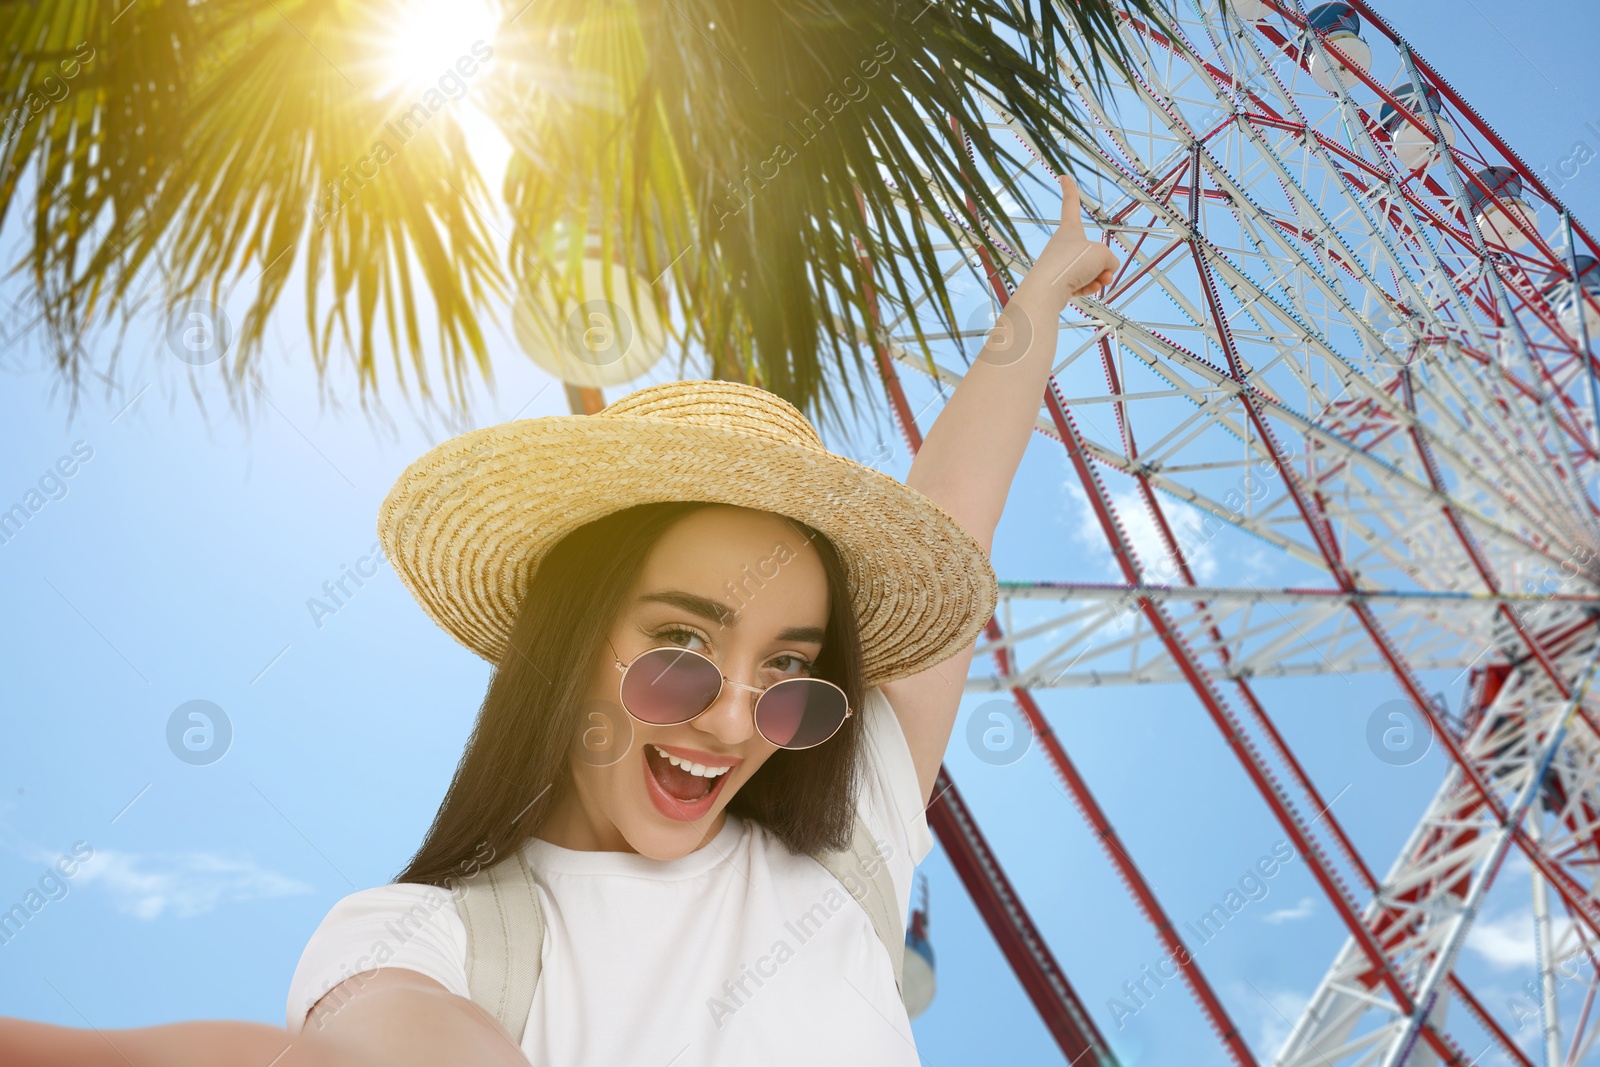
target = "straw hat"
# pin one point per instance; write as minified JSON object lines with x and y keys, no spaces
{"x":467,"y":523}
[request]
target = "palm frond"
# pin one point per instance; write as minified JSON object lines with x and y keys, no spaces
{"x":269,"y":148}
{"x":732,"y":140}
{"x":736,"y":154}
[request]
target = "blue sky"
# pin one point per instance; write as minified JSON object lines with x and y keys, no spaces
{"x":178,"y":564}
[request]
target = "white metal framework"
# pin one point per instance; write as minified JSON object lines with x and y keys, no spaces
{"x":1351,"y":331}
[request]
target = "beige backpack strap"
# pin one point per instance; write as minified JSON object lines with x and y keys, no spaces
{"x":499,"y":906}
{"x":864,"y":873}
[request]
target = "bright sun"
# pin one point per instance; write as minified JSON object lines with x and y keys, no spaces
{"x":422,"y":39}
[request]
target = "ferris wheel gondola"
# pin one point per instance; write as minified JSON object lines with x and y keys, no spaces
{"x":1567,"y":297}
{"x":1503,"y":215}
{"x":1337,"y":24}
{"x":1414,"y":145}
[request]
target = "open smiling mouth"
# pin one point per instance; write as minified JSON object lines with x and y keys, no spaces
{"x":683,"y":794}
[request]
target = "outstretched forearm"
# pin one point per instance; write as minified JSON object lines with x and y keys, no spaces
{"x":970,"y":456}
{"x":971,"y":453}
{"x":393,"y":1018}
{"x":191,"y":1044}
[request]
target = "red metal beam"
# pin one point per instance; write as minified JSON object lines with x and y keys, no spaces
{"x":1259,"y":713}
{"x":991,"y":891}
{"x":1321,"y":532}
{"x":1465,"y":109}
{"x":1059,"y":1007}
{"x":1210,"y":1004}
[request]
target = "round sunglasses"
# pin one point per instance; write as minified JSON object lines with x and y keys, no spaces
{"x":670,"y":685}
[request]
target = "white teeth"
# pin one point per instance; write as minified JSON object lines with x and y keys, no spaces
{"x":698,"y":769}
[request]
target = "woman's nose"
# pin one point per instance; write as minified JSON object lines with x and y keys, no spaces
{"x":731,"y":719}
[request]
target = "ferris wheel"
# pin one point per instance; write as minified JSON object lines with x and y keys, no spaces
{"x":1352,"y":329}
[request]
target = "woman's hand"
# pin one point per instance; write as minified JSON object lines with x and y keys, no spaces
{"x":1070,"y":264}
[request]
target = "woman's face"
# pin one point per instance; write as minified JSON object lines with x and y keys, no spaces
{"x":745,"y":588}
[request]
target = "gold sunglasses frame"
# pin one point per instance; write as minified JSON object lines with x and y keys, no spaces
{"x":760,"y":692}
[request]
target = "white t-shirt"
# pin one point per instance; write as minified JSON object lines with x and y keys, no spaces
{"x":738,"y":953}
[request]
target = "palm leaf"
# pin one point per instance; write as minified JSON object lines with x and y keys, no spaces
{"x":685,"y":107}
{"x":735,"y":154}
{"x":262,"y":160}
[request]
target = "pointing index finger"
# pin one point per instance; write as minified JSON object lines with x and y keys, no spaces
{"x":1071,"y":207}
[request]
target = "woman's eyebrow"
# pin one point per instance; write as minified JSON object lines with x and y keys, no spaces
{"x":718,"y":612}
{"x":710,"y":610}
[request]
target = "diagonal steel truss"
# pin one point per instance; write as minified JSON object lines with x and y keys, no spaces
{"x":1350,"y":356}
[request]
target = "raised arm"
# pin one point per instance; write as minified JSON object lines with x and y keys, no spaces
{"x":971,"y":453}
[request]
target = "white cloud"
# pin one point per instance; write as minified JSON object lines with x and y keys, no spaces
{"x":1506,"y":942}
{"x":1189,"y":526}
{"x":1300,"y":911}
{"x":145,"y":885}
{"x":1085,"y":528}
{"x":1011,"y":207}
{"x":1277,"y":1011}
{"x":1258,"y":563}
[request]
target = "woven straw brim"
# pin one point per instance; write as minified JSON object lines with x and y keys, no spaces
{"x":466,"y":524}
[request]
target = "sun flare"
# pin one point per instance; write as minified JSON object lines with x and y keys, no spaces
{"x":424,"y":39}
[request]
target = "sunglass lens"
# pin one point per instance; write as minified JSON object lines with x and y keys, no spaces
{"x":800,"y":712}
{"x":668,"y":686}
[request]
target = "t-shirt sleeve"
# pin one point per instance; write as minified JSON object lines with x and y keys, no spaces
{"x":890,"y":801}
{"x":407,"y":925}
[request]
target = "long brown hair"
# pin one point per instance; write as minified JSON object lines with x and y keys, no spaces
{"x":516,"y":762}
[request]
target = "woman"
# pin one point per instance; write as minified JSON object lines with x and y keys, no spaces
{"x":719,"y":649}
